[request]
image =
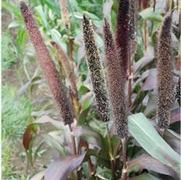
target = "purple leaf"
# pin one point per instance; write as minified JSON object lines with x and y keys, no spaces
{"x":144,"y":61}
{"x":149,"y":163}
{"x":175,"y":115}
{"x":61,"y":168}
{"x":173,"y":139}
{"x":151,"y":81}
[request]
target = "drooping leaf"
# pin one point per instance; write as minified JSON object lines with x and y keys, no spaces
{"x":145,"y":176}
{"x":145,"y":60}
{"x":147,"y":162}
{"x":88,"y":134}
{"x":28,"y":135}
{"x":61,"y":168}
{"x":143,"y":131}
{"x":47,"y":119}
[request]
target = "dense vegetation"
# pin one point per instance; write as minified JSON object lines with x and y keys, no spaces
{"x":90,"y":89}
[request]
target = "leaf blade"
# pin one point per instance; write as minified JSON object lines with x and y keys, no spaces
{"x":143,"y":131}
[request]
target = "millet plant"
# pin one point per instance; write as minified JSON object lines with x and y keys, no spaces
{"x":114,"y":152}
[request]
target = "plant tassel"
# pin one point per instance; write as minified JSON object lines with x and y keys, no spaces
{"x":96,"y":70}
{"x":165,"y":74}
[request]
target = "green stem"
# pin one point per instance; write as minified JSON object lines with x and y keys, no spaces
{"x":124,"y":155}
{"x":111,"y":156}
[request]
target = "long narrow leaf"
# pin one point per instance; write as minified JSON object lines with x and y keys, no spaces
{"x":146,"y":135}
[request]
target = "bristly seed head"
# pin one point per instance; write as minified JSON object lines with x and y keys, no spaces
{"x":123,"y":33}
{"x":47,"y":65}
{"x":116,"y":84}
{"x":96,"y":70}
{"x":165,"y":74}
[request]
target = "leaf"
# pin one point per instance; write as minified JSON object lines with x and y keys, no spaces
{"x":147,"y":162}
{"x":151,"y":105}
{"x":88,"y":134}
{"x":173,"y":139}
{"x":145,"y":60}
{"x":47,"y":119}
{"x":175,"y":115}
{"x":143,"y":131}
{"x":145,"y":176}
{"x":61,"y":168}
{"x":149,"y":14}
{"x":28,"y":135}
{"x":38,"y":176}
{"x":151,"y":81}
{"x":52,"y":5}
{"x":103,"y":173}
{"x":56,"y":36}
{"x":41,"y":13}
{"x":21,"y":37}
{"x":107,"y":7}
{"x":12,"y":8}
{"x":52,"y":139}
{"x":14,"y":24}
{"x":83,"y":90}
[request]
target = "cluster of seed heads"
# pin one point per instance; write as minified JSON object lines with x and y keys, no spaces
{"x":165,"y":74}
{"x":116,"y":64}
{"x":47,"y":65}
{"x":96,"y":70}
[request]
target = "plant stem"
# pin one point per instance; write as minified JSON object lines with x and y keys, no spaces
{"x":154,"y":5}
{"x":77,"y":174}
{"x":124,"y":156}
{"x":91,"y":168}
{"x":129,"y":78}
{"x":70,"y":47}
{"x":112,"y":160}
{"x":73,"y":140}
{"x":145,"y":35}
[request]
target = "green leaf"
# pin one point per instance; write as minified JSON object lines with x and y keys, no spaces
{"x":42,"y":15}
{"x":14,"y":24}
{"x":21,"y":37}
{"x":12,"y":8}
{"x":149,"y":14}
{"x":52,"y":5}
{"x":56,"y":36}
{"x":146,"y":135}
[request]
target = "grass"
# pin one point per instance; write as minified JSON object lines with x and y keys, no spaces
{"x":9,"y":54}
{"x":16,"y":114}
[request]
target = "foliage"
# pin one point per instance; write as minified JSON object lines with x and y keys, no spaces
{"x":9,"y":53}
